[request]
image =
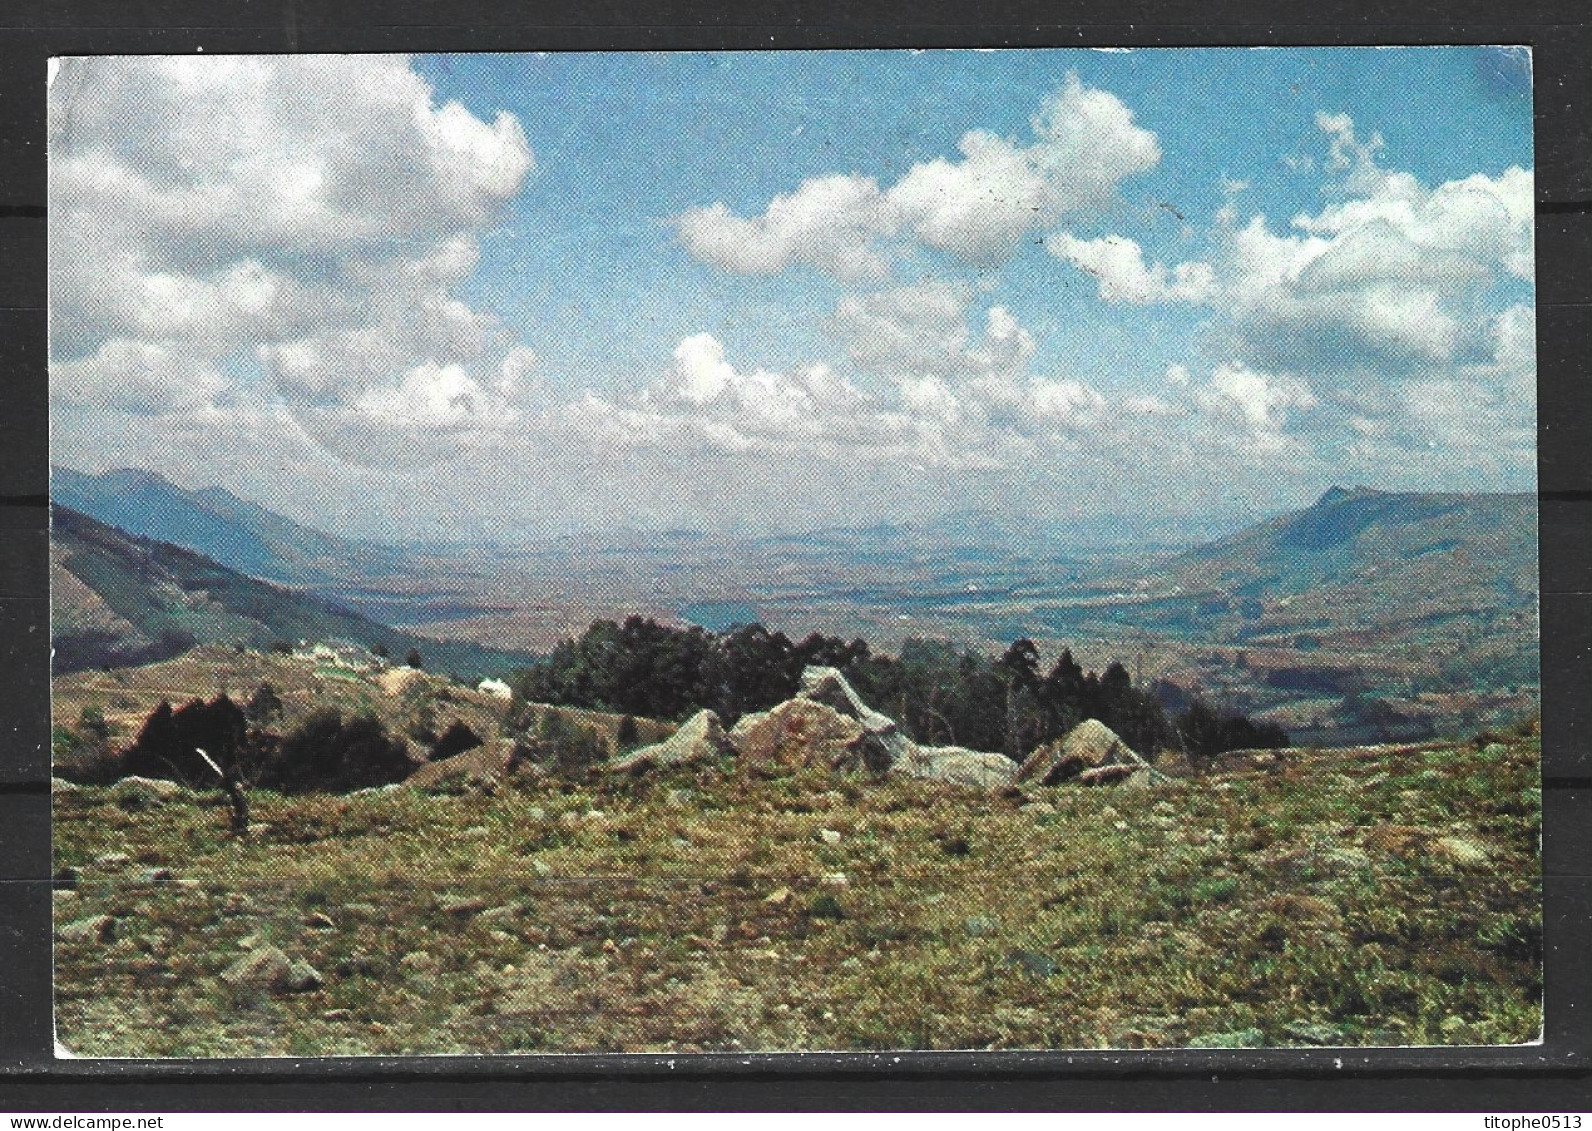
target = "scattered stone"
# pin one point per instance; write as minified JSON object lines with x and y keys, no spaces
{"x":61,"y":785}
{"x":700,"y":739}
{"x":95,"y":928}
{"x":1461,"y":850}
{"x":1039,"y":965}
{"x":362,"y":909}
{"x":113,"y":860}
{"x":541,"y":868}
{"x":829,"y":836}
{"x":835,"y":879}
{"x":1236,"y":1039}
{"x":337,"y":1015}
{"x":679,"y":798}
{"x":1452,"y":1024}
{"x":465,"y":908}
{"x":153,"y":876}
{"x":498,"y":914}
{"x":779,"y":895}
{"x":143,"y":793}
{"x":980,"y":926}
{"x":419,"y":961}
{"x":1313,"y":1033}
{"x":264,"y":967}
{"x":319,"y":921}
{"x":302,"y":978}
{"x":249,"y":942}
{"x":536,"y":813}
{"x":65,"y":895}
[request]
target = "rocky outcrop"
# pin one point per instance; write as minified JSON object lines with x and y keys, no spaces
{"x":482,"y":767}
{"x":887,"y":744}
{"x":827,"y":725}
{"x":1091,"y":752}
{"x":976,"y":769}
{"x":800,"y":733}
{"x":701,"y":739}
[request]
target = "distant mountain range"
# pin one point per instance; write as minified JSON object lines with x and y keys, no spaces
{"x":1364,"y":592}
{"x":119,"y":599}
{"x":240,"y":535}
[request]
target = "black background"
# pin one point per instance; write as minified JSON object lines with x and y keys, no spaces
{"x":1539,"y":1078}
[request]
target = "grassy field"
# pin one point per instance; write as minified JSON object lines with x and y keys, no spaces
{"x":1373,"y":896}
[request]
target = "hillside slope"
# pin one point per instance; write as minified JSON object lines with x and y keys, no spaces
{"x":1465,"y":549}
{"x":240,"y":535}
{"x":118,"y":599}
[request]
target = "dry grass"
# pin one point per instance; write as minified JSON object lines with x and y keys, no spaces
{"x":1263,"y":906}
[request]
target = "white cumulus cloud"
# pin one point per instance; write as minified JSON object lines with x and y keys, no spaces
{"x":311,"y":214}
{"x":1391,"y":273}
{"x":976,"y":206}
{"x":1117,"y":263}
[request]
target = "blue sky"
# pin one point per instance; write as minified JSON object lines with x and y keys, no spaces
{"x":1198,"y":282}
{"x":626,"y":141}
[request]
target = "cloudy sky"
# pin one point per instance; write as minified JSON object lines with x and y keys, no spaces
{"x":496,"y":296}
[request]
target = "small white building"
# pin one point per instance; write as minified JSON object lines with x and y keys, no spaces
{"x":342,"y":654}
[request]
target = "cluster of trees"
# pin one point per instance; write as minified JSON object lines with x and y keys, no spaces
{"x":645,"y":668}
{"x":325,"y":752}
{"x":939,"y":693}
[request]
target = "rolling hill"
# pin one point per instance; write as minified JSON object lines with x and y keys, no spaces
{"x":118,"y":599}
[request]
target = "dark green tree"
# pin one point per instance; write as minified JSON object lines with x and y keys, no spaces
{"x":264,"y":706}
{"x":327,"y":754}
{"x":168,"y":745}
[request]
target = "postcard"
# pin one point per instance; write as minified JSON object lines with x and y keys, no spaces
{"x":794,"y":551}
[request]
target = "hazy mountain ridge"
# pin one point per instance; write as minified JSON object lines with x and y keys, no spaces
{"x":117,"y":598}
{"x":233,"y":532}
{"x":1363,"y":536}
